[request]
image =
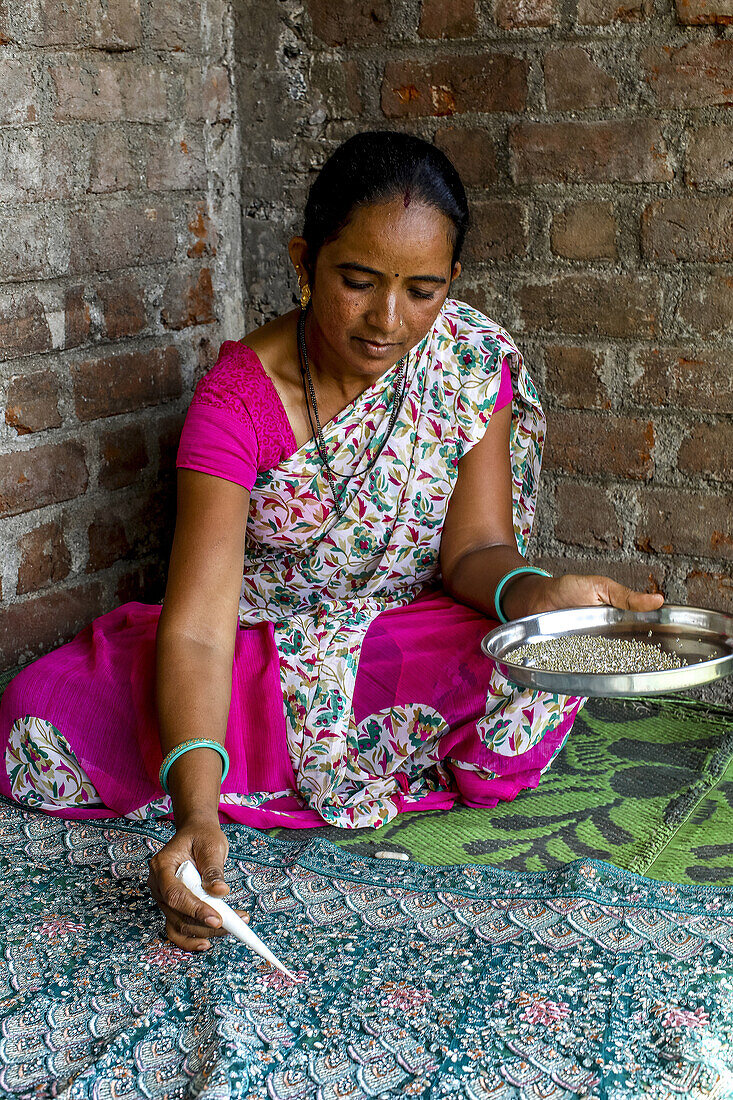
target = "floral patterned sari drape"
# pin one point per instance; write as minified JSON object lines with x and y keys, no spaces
{"x":321,"y":579}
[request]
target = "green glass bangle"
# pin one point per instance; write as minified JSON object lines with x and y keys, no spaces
{"x":505,"y":580}
{"x":194,"y":743}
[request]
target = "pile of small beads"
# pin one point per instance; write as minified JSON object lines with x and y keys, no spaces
{"x":590,"y":653}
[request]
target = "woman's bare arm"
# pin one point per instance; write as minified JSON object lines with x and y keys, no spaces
{"x":478,"y":545}
{"x":194,"y":657}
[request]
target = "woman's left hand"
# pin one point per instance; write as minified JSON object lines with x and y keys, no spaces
{"x":575,"y":590}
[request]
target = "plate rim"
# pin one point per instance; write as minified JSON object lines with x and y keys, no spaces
{"x":615,"y":684}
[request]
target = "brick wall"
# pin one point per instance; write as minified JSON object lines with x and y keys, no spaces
{"x":595,"y":140}
{"x":119,"y":273}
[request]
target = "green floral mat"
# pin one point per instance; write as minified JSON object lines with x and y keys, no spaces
{"x":645,"y":784}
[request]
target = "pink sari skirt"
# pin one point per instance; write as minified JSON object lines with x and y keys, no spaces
{"x":98,"y":693}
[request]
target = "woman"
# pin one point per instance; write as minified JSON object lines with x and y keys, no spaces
{"x":372,"y":458}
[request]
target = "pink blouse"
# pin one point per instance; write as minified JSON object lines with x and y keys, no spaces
{"x":236,"y":426}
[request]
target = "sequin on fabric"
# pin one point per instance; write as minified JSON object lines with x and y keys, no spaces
{"x":466,"y":983}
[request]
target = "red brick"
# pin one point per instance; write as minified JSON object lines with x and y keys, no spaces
{"x":707,"y":451}
{"x":473,"y":153}
{"x":175,"y":26}
{"x":710,"y":156}
{"x":362,"y":22}
{"x":339,"y":82}
{"x":175,"y":163}
{"x":710,"y":590}
{"x":32,"y":244}
{"x":168,"y":429}
{"x":615,"y":305}
{"x":21,"y":164}
{"x":639,"y":576}
{"x":623,"y":151}
{"x":676,"y":522}
{"x":56,"y":23}
{"x":123,"y":456}
{"x":598,"y":13}
{"x":44,"y":475}
{"x":699,"y":74}
{"x":203,"y":233}
{"x":581,"y":443}
{"x":707,"y":304}
{"x":585,"y":516}
{"x":574,"y":81}
{"x":8,"y":28}
{"x":113,"y":162}
{"x":441,"y":20}
{"x":35,"y":167}
{"x":104,"y":239}
{"x":65,"y":172}
{"x":41,"y":623}
{"x":208,"y":94}
{"x":33,"y":402}
{"x":106,"y":24}
{"x":453,"y":85}
{"x":108,"y":91}
{"x":44,"y":558}
{"x":123,"y":307}
{"x":207,"y":352}
{"x":688,"y":229}
{"x":143,"y":584}
{"x":77,"y":317}
{"x":573,"y":378}
{"x":23,"y":327}
{"x":126,"y":381}
{"x":20,"y":99}
{"x":188,"y":299}
{"x":514,"y":14}
{"x":107,"y":542}
{"x":498,"y":230}
{"x":704,"y":11}
{"x":139,"y":527}
{"x":681,"y":378}
{"x":585,"y":231}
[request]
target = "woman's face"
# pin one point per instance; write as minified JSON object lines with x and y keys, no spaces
{"x":379,"y":285}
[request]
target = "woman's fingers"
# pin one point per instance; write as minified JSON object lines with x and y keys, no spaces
{"x":645,"y":601}
{"x":618,"y":595}
{"x":211,"y":870}
{"x":190,"y":939}
{"x":190,"y":923}
{"x":578,"y":590}
{"x":182,"y":907}
{"x":187,"y":942}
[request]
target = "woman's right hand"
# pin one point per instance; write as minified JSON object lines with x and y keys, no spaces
{"x":190,"y":923}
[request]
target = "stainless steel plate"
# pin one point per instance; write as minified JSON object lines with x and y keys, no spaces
{"x":704,"y":639}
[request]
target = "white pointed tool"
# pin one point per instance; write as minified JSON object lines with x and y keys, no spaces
{"x":231,"y":922}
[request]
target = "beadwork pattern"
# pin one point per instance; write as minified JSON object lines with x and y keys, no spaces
{"x":461,"y":982}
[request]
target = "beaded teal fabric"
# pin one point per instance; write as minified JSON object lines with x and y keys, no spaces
{"x":418,"y":981}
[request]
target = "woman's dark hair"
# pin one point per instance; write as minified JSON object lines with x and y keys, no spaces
{"x":375,"y":167}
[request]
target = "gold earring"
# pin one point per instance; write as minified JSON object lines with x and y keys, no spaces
{"x":305,"y":295}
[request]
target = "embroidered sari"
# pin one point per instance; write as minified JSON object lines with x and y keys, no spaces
{"x":359,"y":689}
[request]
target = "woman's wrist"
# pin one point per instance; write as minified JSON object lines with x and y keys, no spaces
{"x":194,"y":784}
{"x":196,"y":817}
{"x":525,"y":594}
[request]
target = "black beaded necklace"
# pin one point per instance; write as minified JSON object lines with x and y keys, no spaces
{"x":312,"y":406}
